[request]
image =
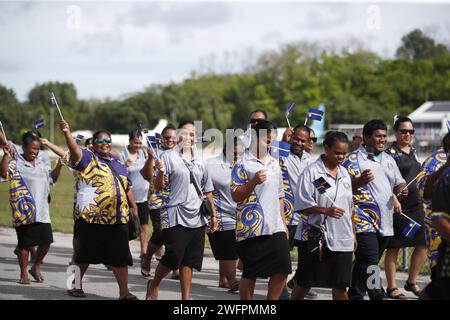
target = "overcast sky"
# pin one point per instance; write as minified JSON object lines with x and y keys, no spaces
{"x":111,"y":49}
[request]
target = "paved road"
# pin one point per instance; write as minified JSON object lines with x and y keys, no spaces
{"x":99,"y":283}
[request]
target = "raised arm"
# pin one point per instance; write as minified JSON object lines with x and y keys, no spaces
{"x":57,"y":150}
{"x":4,"y":163}
{"x":75,"y":151}
{"x":148,"y":171}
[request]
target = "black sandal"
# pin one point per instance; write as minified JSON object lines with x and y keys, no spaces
{"x":234,"y":287}
{"x":77,"y":293}
{"x":412,"y":287}
{"x":129,"y":296}
{"x":400,"y":296}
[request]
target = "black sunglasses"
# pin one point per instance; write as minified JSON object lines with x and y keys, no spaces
{"x":100,"y":140}
{"x":406,"y":131}
{"x":313,"y":139}
{"x":253,"y":121}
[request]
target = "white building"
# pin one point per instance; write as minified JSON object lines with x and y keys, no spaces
{"x":430,"y":122}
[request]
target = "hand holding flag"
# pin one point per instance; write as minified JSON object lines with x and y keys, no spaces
{"x":322,"y":186}
{"x":55,"y":102}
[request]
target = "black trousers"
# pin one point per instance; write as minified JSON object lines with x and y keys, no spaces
{"x":368,"y":253}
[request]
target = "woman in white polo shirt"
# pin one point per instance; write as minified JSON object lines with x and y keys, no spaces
{"x":326,"y":237}
{"x":261,"y":232}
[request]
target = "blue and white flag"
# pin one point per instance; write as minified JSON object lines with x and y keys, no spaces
{"x":78,"y":138}
{"x":448,"y":125}
{"x":321,"y":185}
{"x":280,"y":148}
{"x":315,"y":114}
{"x":53,"y":98}
{"x":290,"y":107}
{"x":38,"y":124}
{"x":411,"y":229}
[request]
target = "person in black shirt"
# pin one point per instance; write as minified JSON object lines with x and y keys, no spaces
{"x":439,"y":288}
{"x":406,"y":158}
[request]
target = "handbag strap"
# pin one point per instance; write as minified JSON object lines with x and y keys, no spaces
{"x":194,"y":180}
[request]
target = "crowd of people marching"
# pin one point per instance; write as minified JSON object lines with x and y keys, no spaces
{"x":341,"y":210}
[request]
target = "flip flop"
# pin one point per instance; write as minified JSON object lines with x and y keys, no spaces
{"x":145,"y":273}
{"x":390,"y":295}
{"x":38,"y":277}
{"x":129,"y":296}
{"x":412,"y":287}
{"x":77,"y":293}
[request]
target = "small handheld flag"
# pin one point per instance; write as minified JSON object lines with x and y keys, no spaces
{"x":78,"y":138}
{"x":280,"y":148}
{"x":411,"y":228}
{"x":55,"y":102}
{"x":448,"y":125}
{"x":314,"y":114}
{"x":38,"y":124}
{"x":321,"y":185}
{"x":290,"y":107}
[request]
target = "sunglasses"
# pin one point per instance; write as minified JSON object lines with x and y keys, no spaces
{"x":253,"y":121}
{"x":405,"y":131}
{"x":313,"y":139}
{"x":100,"y":140}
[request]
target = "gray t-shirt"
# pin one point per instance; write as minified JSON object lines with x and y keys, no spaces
{"x":140,"y":186}
{"x":260,"y":213}
{"x":374,"y":202}
{"x":291,"y":167}
{"x":218,"y":175}
{"x":183,"y":202}
{"x":338,"y":232}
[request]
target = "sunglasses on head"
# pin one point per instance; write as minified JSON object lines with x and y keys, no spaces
{"x":406,"y":131}
{"x":313,"y":139}
{"x":100,"y":140}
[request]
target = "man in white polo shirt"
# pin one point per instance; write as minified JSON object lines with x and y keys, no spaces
{"x":375,"y":180}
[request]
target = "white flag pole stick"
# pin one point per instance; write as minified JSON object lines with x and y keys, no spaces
{"x":306,"y":120}
{"x":409,"y":184}
{"x":289,"y":124}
